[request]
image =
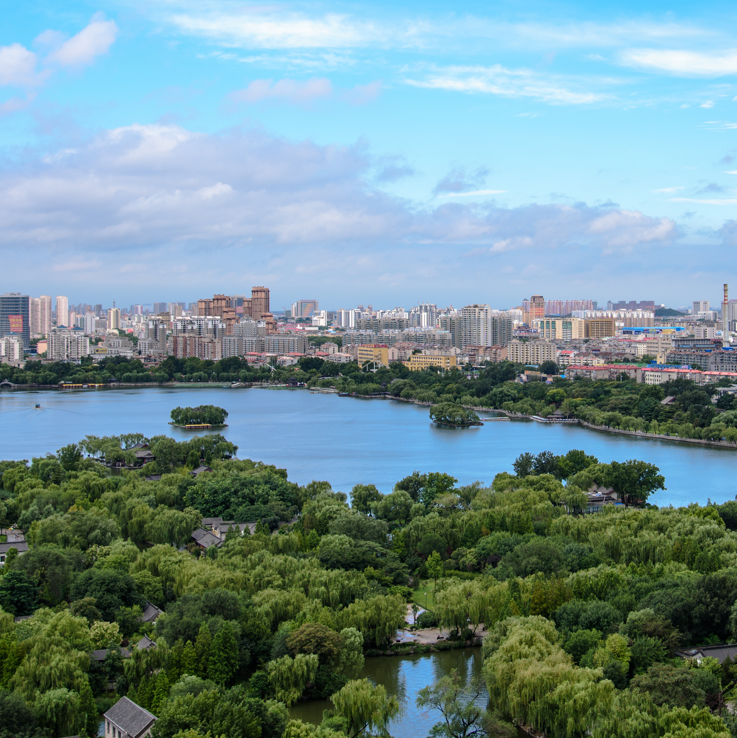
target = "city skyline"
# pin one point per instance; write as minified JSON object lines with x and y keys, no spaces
{"x":371,"y":150}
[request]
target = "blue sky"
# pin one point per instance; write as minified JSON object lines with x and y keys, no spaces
{"x":378,"y":152}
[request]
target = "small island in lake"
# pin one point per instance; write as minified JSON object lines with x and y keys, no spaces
{"x":199,"y":418}
{"x":455,"y":416}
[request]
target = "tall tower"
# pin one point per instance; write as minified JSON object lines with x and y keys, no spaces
{"x":725,"y":316}
{"x":113,"y":318}
{"x":537,"y":307}
{"x":62,"y":311}
{"x":259,"y":302}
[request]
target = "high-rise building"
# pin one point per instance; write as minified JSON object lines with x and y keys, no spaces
{"x":62,"y":311}
{"x":259,"y":302}
{"x":11,"y":350}
{"x":160,"y":307}
{"x":478,"y":325}
{"x":537,"y":307}
{"x":64,"y":345}
{"x":89,"y":322}
{"x":40,"y":315}
{"x":15,"y":316}
{"x":304,"y":308}
{"x":700,"y":306}
{"x":113,"y":318}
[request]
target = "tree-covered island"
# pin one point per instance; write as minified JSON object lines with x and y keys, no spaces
{"x":199,"y":416}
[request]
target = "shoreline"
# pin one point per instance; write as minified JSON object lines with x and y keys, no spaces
{"x":265,"y":385}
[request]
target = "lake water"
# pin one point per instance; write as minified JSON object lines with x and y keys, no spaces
{"x":348,"y":441}
{"x":404,"y":677}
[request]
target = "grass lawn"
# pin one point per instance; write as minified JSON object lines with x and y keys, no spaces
{"x":3,"y":538}
{"x":426,"y":585}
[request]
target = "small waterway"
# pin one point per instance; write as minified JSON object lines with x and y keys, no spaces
{"x":404,"y":677}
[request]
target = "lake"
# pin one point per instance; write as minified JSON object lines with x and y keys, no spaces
{"x":348,"y":441}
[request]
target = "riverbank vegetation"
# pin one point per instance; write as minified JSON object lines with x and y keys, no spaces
{"x":200,"y":415}
{"x":581,"y":614}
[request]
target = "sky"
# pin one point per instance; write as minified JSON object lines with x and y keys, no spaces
{"x":383,"y":153}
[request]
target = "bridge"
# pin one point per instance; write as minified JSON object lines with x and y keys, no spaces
{"x":6,"y":384}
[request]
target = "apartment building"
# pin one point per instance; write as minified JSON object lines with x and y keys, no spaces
{"x":375,"y":352}
{"x":64,"y":345}
{"x":560,"y":329}
{"x":418,"y":362}
{"x":531,"y":352}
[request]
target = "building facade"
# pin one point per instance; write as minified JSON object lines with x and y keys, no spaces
{"x":418,"y":362}
{"x":531,"y":352}
{"x":15,"y":317}
{"x":62,"y":312}
{"x":64,"y":345}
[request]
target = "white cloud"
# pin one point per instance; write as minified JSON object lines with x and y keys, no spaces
{"x":707,"y":104}
{"x":287,"y":90}
{"x":270,"y":27}
{"x":14,"y":104}
{"x":682,"y":62}
{"x":472,"y":193}
{"x":153,"y":187}
{"x":304,"y":92}
{"x":718,"y":125}
{"x":363,"y":94}
{"x":17,"y":66}
{"x":667,"y":189}
{"x":254,"y":29}
{"x":499,"y":80}
{"x":725,"y":201}
{"x":510,"y":244}
{"x":92,"y":41}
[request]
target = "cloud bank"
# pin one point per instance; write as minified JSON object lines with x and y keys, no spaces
{"x":146,"y":186}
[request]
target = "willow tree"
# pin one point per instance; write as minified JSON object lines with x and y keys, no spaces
{"x":298,"y":729}
{"x":366,"y":709}
{"x":378,"y":618}
{"x":469,"y":604}
{"x":290,"y":676}
{"x":461,"y":706}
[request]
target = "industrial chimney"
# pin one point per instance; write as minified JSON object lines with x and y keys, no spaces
{"x":725,"y":316}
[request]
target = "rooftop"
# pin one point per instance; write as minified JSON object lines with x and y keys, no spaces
{"x":130,"y":718}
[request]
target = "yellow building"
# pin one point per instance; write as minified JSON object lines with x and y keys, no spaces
{"x":560,"y":329}
{"x":418,"y":362}
{"x":373,"y":352}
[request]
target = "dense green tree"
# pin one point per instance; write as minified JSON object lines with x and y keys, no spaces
{"x":224,"y":655}
{"x":111,"y":590}
{"x":318,"y":639}
{"x":18,"y":593}
{"x":634,"y":480}
{"x":366,"y":709}
{"x":364,"y":497}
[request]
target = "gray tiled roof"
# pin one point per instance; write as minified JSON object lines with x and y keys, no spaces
{"x":150,"y":613}
{"x":205,"y":539}
{"x":719,"y":651}
{"x":145,"y":643}
{"x":130,"y":718}
{"x":200,"y":470}
{"x":19,"y":546}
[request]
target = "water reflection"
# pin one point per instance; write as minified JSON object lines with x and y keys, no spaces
{"x":404,"y":677}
